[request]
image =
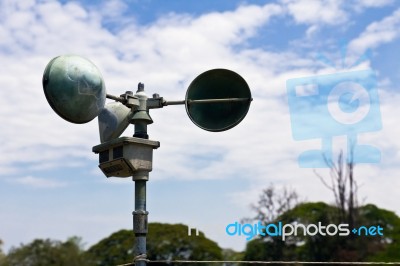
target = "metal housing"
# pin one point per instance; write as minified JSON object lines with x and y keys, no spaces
{"x":126,"y":156}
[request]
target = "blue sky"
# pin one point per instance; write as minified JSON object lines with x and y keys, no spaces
{"x":50,"y":186}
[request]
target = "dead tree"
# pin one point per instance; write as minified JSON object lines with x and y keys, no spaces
{"x":344,"y":188}
{"x":272,"y":203}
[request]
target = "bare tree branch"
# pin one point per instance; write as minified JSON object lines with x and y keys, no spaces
{"x":273,"y":203}
{"x":343,"y":186}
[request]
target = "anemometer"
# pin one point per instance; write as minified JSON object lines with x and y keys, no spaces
{"x":216,"y":100}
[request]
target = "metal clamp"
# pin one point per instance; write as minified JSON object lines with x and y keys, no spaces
{"x":140,"y":222}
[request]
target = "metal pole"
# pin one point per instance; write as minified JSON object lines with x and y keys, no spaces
{"x":140,"y":214}
{"x":166,"y":103}
{"x":188,"y":101}
{"x":174,"y":102}
{"x":140,"y":220}
{"x":115,"y":98}
{"x":220,"y":100}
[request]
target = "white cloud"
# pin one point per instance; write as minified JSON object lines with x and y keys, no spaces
{"x":36,"y":33}
{"x":37,"y":182}
{"x":372,"y":3}
{"x":113,"y":8}
{"x":315,"y":12}
{"x":167,"y":55}
{"x":378,"y":33}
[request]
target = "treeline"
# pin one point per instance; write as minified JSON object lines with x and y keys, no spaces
{"x":171,"y":242}
{"x":165,"y":242}
{"x":372,"y":234}
{"x":367,"y":244}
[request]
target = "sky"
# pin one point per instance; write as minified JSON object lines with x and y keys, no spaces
{"x":50,"y":183}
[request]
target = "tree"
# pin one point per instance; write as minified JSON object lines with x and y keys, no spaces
{"x":164,"y":242}
{"x":344,"y":188}
{"x":331,"y":248}
{"x":2,"y":255}
{"x":231,"y":255}
{"x":345,"y":211}
{"x":383,"y":248}
{"x":47,"y":252}
{"x":317,"y":247}
{"x":272,"y":204}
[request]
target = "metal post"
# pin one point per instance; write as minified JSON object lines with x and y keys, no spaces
{"x":140,"y":220}
{"x":140,"y":119}
{"x":141,"y":131}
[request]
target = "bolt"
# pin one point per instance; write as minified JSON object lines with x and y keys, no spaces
{"x":140,"y":87}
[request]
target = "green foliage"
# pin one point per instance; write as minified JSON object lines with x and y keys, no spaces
{"x":331,"y":248}
{"x":113,"y":250}
{"x":232,"y":255}
{"x":47,"y":252}
{"x":385,"y":248}
{"x":295,"y":247}
{"x":171,"y":241}
{"x":315,"y":248}
{"x":2,"y":255}
{"x":164,"y":242}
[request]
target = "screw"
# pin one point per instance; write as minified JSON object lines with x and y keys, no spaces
{"x":140,"y":87}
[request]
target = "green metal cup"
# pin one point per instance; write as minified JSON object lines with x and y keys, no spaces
{"x":233,"y":100}
{"x":74,"y":88}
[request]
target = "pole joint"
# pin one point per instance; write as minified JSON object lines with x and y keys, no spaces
{"x":140,"y":227}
